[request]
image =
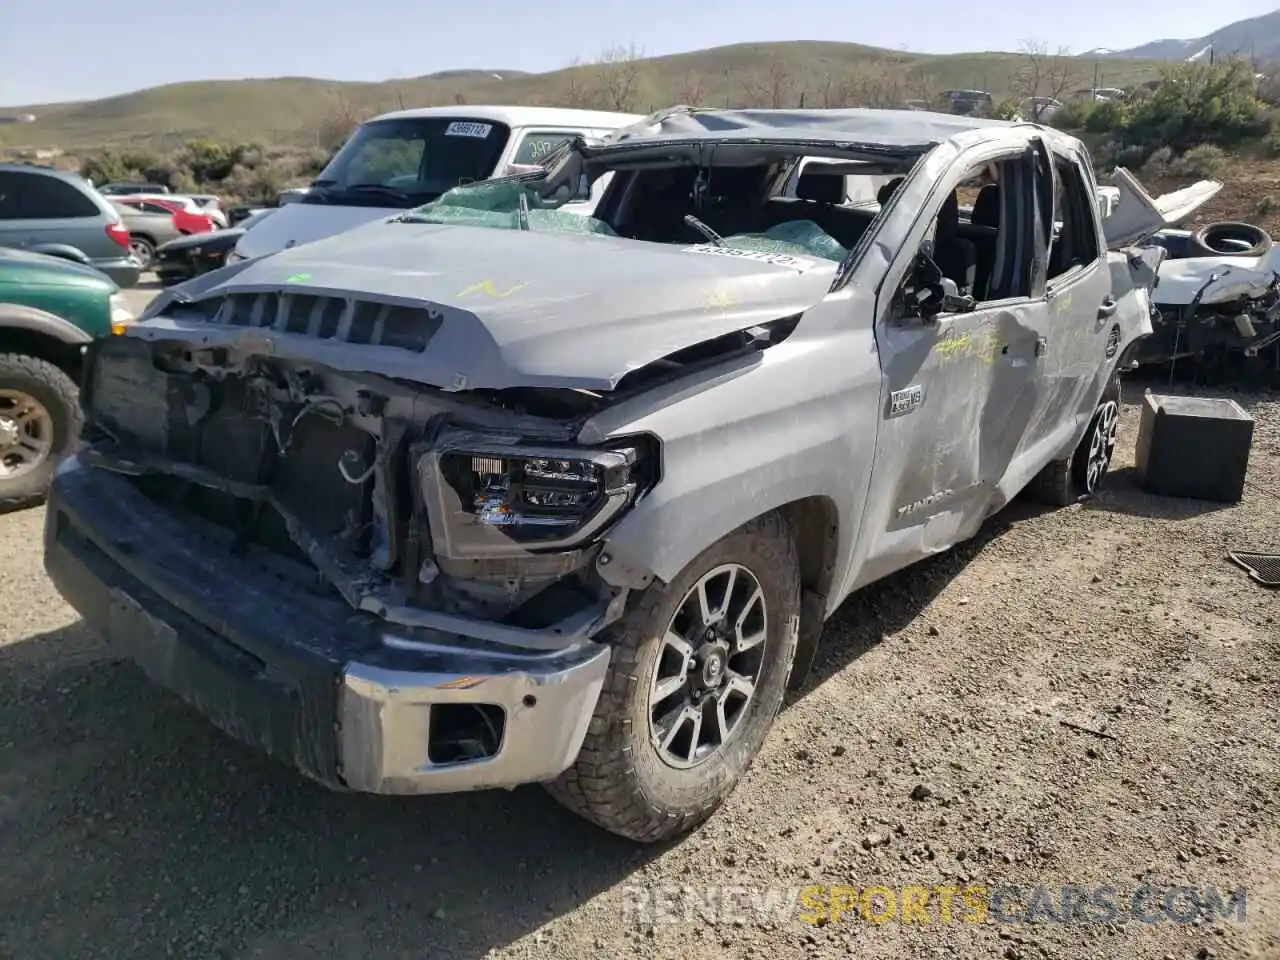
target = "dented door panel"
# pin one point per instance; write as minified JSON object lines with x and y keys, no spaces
{"x":944,"y":446}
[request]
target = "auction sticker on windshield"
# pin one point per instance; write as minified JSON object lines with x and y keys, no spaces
{"x":759,"y":256}
{"x":468,"y":128}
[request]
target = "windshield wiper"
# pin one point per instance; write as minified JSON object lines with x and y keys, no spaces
{"x":703,"y":229}
{"x":375,"y":188}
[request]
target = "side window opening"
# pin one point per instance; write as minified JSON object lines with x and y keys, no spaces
{"x":983,"y":253}
{"x":1075,"y":234}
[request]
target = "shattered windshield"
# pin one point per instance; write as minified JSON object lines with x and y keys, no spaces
{"x":504,"y":205}
{"x":517,"y":205}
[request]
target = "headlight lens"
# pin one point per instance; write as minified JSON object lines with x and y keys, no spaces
{"x":121,"y":316}
{"x":490,"y":499}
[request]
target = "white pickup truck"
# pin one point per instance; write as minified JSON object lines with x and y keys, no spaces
{"x":402,"y":160}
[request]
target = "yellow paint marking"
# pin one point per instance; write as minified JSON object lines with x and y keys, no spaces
{"x":989,"y":348}
{"x":489,"y":290}
{"x":720,"y":300}
{"x":953,"y":346}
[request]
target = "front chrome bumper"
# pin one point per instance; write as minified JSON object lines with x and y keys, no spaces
{"x":347,"y":698}
{"x":385,"y":715}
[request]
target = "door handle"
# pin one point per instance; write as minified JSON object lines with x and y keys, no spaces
{"x":1108,"y":308}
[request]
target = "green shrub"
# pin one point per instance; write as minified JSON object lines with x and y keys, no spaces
{"x":1072,"y":116}
{"x":1160,"y":163}
{"x":1107,"y":116}
{"x":1197,"y":104}
{"x":1205,"y":160}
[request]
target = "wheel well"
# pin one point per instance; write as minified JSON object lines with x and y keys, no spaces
{"x":815,"y":524}
{"x":143,"y":236}
{"x":66,"y":357}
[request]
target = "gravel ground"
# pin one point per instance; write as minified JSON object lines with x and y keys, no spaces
{"x":928,"y":750}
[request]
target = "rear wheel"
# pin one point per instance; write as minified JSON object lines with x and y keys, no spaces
{"x":698,"y":673}
{"x":39,"y":423}
{"x":1080,"y":475}
{"x":143,"y":250}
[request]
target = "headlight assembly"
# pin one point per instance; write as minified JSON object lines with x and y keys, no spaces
{"x":488,"y":498}
{"x":121,"y":316}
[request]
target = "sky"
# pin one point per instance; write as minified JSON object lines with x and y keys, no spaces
{"x":87,"y":49}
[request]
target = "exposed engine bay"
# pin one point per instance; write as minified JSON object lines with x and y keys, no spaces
{"x":408,"y":501}
{"x":1218,"y":302}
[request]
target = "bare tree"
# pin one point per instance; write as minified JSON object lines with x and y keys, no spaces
{"x":773,"y":86}
{"x":618,"y":76}
{"x":923,"y":86}
{"x":578,"y":83}
{"x":727,"y":84}
{"x":866,"y":87}
{"x":828,"y":87}
{"x":1044,"y":75}
{"x":337,"y":123}
{"x":692,"y":89}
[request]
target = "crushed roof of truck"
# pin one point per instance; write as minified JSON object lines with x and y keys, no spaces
{"x":906,"y":131}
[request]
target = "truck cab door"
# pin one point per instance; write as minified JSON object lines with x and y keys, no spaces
{"x":956,"y":376}
{"x":1078,"y":308}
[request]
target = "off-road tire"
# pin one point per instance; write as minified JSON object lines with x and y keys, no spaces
{"x":619,"y":781}
{"x":59,"y":395}
{"x":1260,"y":242}
{"x":1061,"y":482}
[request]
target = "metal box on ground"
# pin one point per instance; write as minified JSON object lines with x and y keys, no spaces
{"x":1196,"y":447}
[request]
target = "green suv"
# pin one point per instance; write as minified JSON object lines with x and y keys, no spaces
{"x":49,"y":309}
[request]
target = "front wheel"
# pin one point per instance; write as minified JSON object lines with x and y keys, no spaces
{"x":698,"y":673}
{"x":39,"y":423}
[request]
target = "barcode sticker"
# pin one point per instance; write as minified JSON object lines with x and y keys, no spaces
{"x":465,"y":128}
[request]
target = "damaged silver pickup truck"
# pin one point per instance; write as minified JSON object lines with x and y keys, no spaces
{"x":492,"y":494}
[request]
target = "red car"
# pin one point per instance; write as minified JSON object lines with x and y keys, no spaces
{"x":183,"y":219}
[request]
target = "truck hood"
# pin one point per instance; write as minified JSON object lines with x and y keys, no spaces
{"x":23,"y":266}
{"x":1135,"y":214}
{"x":296,"y":223}
{"x":503,"y":308}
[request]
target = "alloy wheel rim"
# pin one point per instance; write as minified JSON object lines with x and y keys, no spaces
{"x":26,"y":434}
{"x":1101,"y":444}
{"x":707,"y":670}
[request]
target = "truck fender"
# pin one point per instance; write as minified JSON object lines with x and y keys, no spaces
{"x":14,"y":316}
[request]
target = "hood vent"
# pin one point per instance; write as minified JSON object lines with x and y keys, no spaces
{"x":325,"y":318}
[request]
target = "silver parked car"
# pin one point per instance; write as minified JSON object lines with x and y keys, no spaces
{"x":150,"y":226}
{"x":582,"y":490}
